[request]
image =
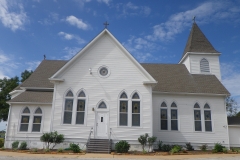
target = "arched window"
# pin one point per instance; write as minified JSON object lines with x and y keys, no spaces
{"x":81,"y":107}
{"x":174,"y":117}
{"x":25,"y":120}
{"x":102,"y":105}
{"x":123,"y":110}
{"x":37,"y":119}
{"x":207,"y":118}
{"x":68,"y":107}
{"x":135,"y":110}
{"x":204,"y":66}
{"x":164,"y":119}
{"x":197,"y":117}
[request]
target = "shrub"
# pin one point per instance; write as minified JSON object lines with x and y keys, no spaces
{"x":225,"y":150}
{"x":60,"y":150}
{"x":176,"y":149}
{"x":122,"y":147}
{"x":204,"y":147}
{"x":1,"y":142}
{"x":166,"y":147}
{"x":15,"y":144}
{"x":52,"y":138}
{"x":23,"y":146}
{"x":189,"y":147}
{"x":143,"y":140}
{"x":75,"y":148}
{"x":159,"y":145}
{"x":150,"y":141}
{"x":47,"y":150}
{"x":218,"y":147}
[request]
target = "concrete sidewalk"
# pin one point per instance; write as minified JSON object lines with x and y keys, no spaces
{"x":108,"y":156}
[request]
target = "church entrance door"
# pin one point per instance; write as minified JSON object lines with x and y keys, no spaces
{"x":102,"y":125}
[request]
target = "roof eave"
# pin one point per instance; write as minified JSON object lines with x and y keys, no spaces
{"x":150,"y":82}
{"x":28,"y":103}
{"x":186,"y":93}
{"x":197,"y":53}
{"x":56,"y":79}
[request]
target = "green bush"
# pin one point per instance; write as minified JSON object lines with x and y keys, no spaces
{"x":189,"y":147}
{"x":15,"y":145}
{"x":143,"y":141}
{"x":52,"y":138}
{"x":122,"y":147}
{"x":176,"y":149}
{"x":204,"y":147}
{"x":60,"y":150}
{"x":1,"y":142}
{"x":166,"y":147}
{"x":23,"y":146}
{"x":225,"y":150}
{"x":159,"y":145}
{"x":75,"y":148}
{"x":150,"y":141}
{"x":218,"y":147}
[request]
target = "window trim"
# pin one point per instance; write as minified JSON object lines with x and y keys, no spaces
{"x":174,"y":108}
{"x":131,"y":112}
{"x":63,"y":109}
{"x":204,"y":66}
{"x":75,"y":107}
{"x":197,"y":109}
{"x":37,"y":114}
{"x":29,"y":120}
{"x":207,"y":109}
{"x":128,"y":109}
{"x":160,"y":115}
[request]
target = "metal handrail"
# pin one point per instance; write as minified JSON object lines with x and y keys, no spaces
{"x":89,"y":136}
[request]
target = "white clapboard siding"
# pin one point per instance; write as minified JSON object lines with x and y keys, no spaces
{"x":234,"y":135}
{"x":187,"y":63}
{"x":14,"y":121}
{"x":186,"y":132}
{"x":213,"y":61}
{"x":124,"y":75}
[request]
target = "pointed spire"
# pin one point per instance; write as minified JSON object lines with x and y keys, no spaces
{"x":197,"y":42}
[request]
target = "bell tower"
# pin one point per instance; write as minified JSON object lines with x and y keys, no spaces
{"x":199,"y":56}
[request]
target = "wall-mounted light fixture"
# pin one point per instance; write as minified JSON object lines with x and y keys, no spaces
{"x":92,"y":109}
{"x":90,"y":70}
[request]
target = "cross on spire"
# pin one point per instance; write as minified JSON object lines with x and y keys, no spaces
{"x":105,"y":24}
{"x":194,"y":17}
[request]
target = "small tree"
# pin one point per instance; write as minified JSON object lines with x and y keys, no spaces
{"x":143,"y":140}
{"x":52,"y":138}
{"x":150,"y":141}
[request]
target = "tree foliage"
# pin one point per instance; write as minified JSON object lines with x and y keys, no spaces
{"x":231,"y":106}
{"x":6,"y":86}
{"x":25,"y":75}
{"x":52,"y":138}
{"x":143,"y":141}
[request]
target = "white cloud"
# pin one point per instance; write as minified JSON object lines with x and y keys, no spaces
{"x":70,"y":52}
{"x":206,"y":12}
{"x":77,"y":22}
{"x":31,"y":66}
{"x":50,"y":20}
{"x":104,"y":1}
{"x":131,"y":9}
{"x":68,"y":36}
{"x":7,"y":64}
{"x":14,"y":20}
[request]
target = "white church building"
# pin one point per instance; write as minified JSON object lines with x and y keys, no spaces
{"x":103,"y":92}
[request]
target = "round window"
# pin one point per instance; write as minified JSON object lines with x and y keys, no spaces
{"x":103,"y":71}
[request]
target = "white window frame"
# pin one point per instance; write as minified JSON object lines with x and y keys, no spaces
{"x":65,"y":98}
{"x":207,"y":109}
{"x":38,"y":115}
{"x":165,"y":108}
{"x":119,"y":111}
{"x":197,"y":109}
{"x":140,"y":110}
{"x":29,"y":120}
{"x":174,"y":108}
{"x":85,"y":109}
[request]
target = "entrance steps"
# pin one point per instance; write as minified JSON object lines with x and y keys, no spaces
{"x":99,"y":146}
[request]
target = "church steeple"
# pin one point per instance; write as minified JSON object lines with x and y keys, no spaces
{"x":199,"y":56}
{"x":197,"y":42}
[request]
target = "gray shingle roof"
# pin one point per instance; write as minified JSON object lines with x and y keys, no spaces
{"x":176,"y":78}
{"x":34,"y":96}
{"x":39,"y":78}
{"x":197,"y":42}
{"x":233,"y":120}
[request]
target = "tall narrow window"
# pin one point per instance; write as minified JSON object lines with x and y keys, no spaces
{"x":123,"y":110}
{"x":67,"y":119}
{"x":102,"y":105}
{"x":81,"y":103}
{"x":174,"y":117}
{"x":37,"y":119}
{"x":25,"y":120}
{"x":135,"y":110}
{"x":197,"y":117}
{"x":164,"y":121}
{"x":204,"y":66}
{"x":207,"y":118}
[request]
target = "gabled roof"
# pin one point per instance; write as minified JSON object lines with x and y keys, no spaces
{"x":197,"y":42}
{"x":105,"y":32}
{"x":175,"y":78}
{"x":39,"y":78}
{"x":233,"y":120}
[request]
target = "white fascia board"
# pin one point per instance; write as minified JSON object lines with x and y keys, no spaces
{"x":235,"y":125}
{"x":77,"y":55}
{"x":16,"y":91}
{"x":196,"y":53}
{"x":185,"y":93}
{"x":150,"y":82}
{"x":37,"y":88}
{"x":56,"y":79}
{"x":91,"y":43}
{"x":28,"y":103}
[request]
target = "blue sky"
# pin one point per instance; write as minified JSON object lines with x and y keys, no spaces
{"x":153,"y":31}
